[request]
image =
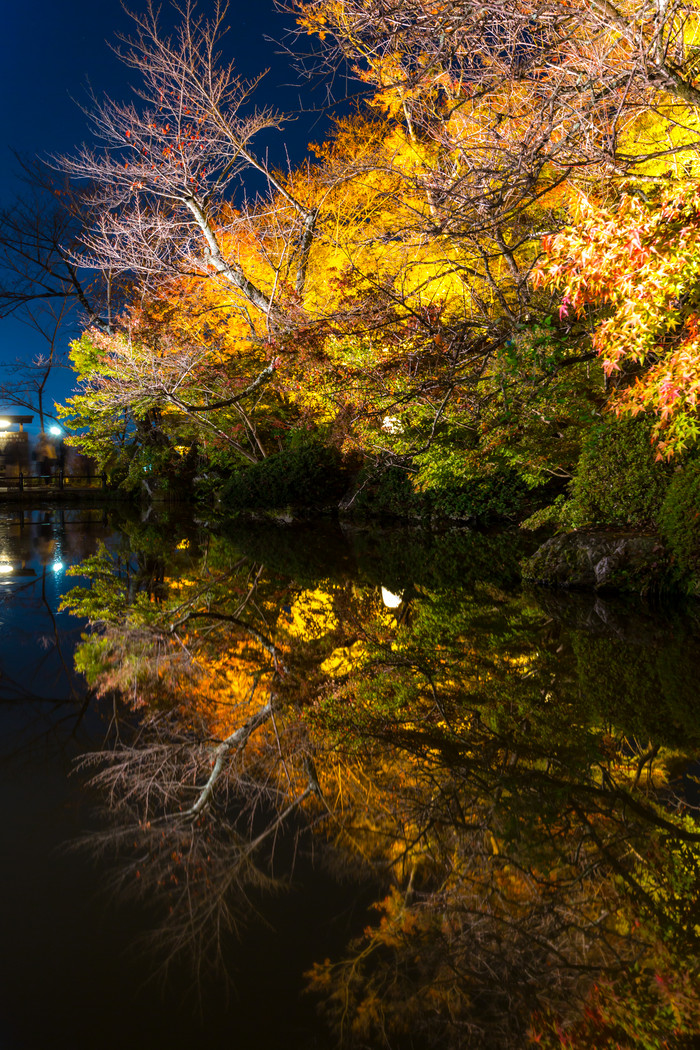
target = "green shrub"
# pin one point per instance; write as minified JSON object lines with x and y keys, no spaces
{"x":549,"y":516}
{"x":387,"y":491}
{"x":481,"y":499}
{"x":478,"y":498}
{"x":679,"y":518}
{"x":308,"y":472}
{"x":155,"y":465}
{"x":617,"y":479}
{"x":470,"y":485}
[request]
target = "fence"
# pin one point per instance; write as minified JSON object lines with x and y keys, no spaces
{"x":60,"y":480}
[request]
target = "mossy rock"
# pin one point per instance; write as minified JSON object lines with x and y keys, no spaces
{"x":600,"y":561}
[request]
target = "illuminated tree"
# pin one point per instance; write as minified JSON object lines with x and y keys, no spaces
{"x":160,"y":183}
{"x":500,"y":113}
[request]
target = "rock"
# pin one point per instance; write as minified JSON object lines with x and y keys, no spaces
{"x":599,"y":561}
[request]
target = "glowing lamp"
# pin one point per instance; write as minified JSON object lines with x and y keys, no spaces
{"x":391,"y":601}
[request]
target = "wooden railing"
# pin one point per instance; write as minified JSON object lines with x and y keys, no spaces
{"x":60,"y":480}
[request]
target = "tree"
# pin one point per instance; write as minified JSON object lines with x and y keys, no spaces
{"x":162,"y":189}
{"x":532,"y":81}
{"x":391,"y":278}
{"x":494,"y":116}
{"x":41,"y":284}
{"x":153,"y":383}
{"x":161,"y":178}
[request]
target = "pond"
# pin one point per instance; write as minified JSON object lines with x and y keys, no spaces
{"x":324,"y":786}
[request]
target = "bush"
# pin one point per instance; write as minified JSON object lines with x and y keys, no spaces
{"x":477,"y":498}
{"x":150,"y":466}
{"x":470,"y":485}
{"x":308,"y":472}
{"x":549,"y":516}
{"x":679,"y":518}
{"x":617,"y":479}
{"x":386,"y":491}
{"x":480,"y":499}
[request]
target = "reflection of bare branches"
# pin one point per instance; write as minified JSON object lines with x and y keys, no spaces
{"x":203,"y":860}
{"x":210,"y":614}
{"x":237,"y":739}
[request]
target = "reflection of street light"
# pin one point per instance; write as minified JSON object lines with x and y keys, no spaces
{"x":57,"y":566}
{"x":391,"y":601}
{"x":5,"y":567}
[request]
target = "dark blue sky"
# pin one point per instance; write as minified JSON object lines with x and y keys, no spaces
{"x":50,"y":50}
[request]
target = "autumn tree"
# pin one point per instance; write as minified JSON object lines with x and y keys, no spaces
{"x":525,"y":87}
{"x":638,"y":263}
{"x":164,"y":191}
{"x":168,"y":163}
{"x":497,"y":112}
{"x":383,"y":290}
{"x":174,"y":374}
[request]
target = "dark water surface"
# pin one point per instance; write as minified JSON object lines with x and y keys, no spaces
{"x":74,"y":970}
{"x":424,"y":753}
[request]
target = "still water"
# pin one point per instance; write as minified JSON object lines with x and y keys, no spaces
{"x":318,"y":787}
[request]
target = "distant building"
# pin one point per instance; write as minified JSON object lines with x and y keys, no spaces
{"x":14,"y":444}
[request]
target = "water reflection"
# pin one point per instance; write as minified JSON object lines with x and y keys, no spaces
{"x":505,"y":769}
{"x":36,"y":640}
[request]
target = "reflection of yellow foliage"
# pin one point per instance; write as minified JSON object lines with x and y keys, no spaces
{"x":311,"y":616}
{"x":344,"y":660}
{"x":225,"y":696}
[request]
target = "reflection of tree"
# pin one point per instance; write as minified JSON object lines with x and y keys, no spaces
{"x":195,"y":824}
{"x":529,"y":866}
{"x":447,"y":744}
{"x":203,"y":788}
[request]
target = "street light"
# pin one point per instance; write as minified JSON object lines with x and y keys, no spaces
{"x":55,"y":431}
{"x":4,"y":424}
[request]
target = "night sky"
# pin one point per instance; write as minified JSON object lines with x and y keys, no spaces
{"x":51,"y":51}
